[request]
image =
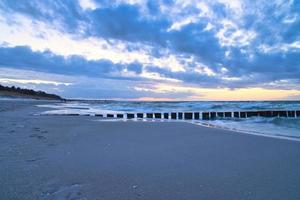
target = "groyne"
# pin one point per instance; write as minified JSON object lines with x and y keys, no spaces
{"x":206,"y":115}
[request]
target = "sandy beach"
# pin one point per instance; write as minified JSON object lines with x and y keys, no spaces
{"x":80,"y":157}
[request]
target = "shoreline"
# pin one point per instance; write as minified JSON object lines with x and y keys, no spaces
{"x":284,"y":126}
{"x":198,"y":123}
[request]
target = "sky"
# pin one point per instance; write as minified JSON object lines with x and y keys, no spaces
{"x":153,"y":50}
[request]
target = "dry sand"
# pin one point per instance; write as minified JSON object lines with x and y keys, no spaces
{"x":77,"y":157}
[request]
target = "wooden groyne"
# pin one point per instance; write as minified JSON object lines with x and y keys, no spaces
{"x":209,"y":115}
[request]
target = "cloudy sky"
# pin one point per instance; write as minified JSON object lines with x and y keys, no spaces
{"x":153,"y":50}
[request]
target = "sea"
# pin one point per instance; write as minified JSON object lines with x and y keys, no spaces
{"x":281,"y":127}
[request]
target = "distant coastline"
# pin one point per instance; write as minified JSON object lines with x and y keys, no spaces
{"x":16,"y":92}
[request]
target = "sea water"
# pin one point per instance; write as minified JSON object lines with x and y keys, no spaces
{"x":283,"y":127}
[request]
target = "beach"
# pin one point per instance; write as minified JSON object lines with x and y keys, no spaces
{"x":82,"y":157}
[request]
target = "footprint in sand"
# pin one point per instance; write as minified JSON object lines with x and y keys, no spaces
{"x":20,"y":126}
{"x":41,"y":137}
{"x":70,"y":192}
{"x":38,"y":135}
{"x":36,"y":129}
{"x":33,"y":159}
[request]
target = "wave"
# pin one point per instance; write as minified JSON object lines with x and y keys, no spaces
{"x":271,"y":126}
{"x":289,"y":127}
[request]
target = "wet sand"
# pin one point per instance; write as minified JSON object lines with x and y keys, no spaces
{"x":77,"y":157}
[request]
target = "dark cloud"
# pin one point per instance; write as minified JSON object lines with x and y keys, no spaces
{"x":125,"y":22}
{"x":272,"y":66}
{"x":23,"y":57}
{"x":194,"y":41}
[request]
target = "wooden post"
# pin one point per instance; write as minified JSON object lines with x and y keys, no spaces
{"x":179,"y":115}
{"x":110,"y":115}
{"x":205,"y":115}
{"x":188,"y":115}
{"x":196,"y":116}
{"x":243,"y":114}
{"x":236,"y":114}
{"x":213,"y":115}
{"x":140,"y":115}
{"x":173,"y":115}
{"x":227,"y":114}
{"x":157,"y":115}
{"x":130,"y":115}
{"x":149,"y":115}
{"x":120,"y":116}
{"x":166,"y":115}
{"x":220,"y":114}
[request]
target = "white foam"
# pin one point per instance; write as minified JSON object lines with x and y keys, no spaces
{"x":251,"y":130}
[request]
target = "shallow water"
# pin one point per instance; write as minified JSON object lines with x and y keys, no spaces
{"x":289,"y":127}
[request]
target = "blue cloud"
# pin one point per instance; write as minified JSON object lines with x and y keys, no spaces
{"x":125,"y":22}
{"x":68,"y":12}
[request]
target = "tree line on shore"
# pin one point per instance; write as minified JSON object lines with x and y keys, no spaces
{"x":29,"y":92}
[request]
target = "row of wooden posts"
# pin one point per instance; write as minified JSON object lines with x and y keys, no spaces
{"x":204,"y":115}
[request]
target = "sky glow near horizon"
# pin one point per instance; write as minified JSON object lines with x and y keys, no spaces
{"x":153,"y":50}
